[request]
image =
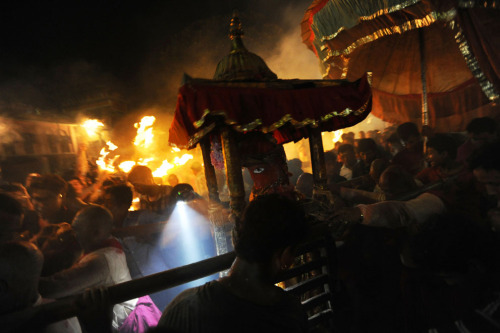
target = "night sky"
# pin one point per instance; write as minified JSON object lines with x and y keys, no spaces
{"x":54,"y":49}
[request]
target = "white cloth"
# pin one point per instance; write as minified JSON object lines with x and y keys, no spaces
{"x":70,"y":325}
{"x":103,"y":267}
{"x":345,"y":172}
{"x":394,"y":214}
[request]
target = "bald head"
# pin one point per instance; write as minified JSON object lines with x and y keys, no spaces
{"x":92,"y":226}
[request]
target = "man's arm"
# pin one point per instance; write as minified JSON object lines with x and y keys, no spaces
{"x":89,"y":272}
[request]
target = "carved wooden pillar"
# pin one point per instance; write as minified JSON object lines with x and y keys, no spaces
{"x":213,"y":190}
{"x":217,"y":214}
{"x":233,"y":172}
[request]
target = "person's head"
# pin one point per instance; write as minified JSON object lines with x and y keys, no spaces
{"x":394,"y":144}
{"x":362,"y":135}
{"x":482,"y":130}
{"x":346,"y":154}
{"x":20,"y":268}
{"x":305,"y":184}
{"x":118,"y":199}
{"x":173,"y":179}
{"x":332,"y":165}
{"x":92,"y":226}
{"x":485,"y":164}
{"x":183,"y":192}
{"x":76,"y":184}
{"x":141,"y":174}
{"x":377,"y":167}
{"x":441,"y":149}
{"x":196,"y":167}
{"x":18,"y":192}
{"x":409,"y":135}
{"x":270,"y":225}
{"x":294,"y":165}
{"x":396,"y":181}
{"x":11,"y":216}
{"x":30,"y":177}
{"x":47,"y":195}
{"x":368,"y":150}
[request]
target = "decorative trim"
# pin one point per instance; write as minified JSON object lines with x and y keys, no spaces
{"x":486,"y":86}
{"x":378,"y":13}
{"x":193,"y":140}
{"x":473,"y":3}
{"x":398,"y":29}
{"x":389,"y":10}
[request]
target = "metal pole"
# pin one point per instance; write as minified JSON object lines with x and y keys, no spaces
{"x":423,"y":70}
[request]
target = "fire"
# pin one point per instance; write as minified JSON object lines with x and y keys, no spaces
{"x":126,"y":166}
{"x":163,"y":169}
{"x":182,"y":160}
{"x":103,"y":161}
{"x":337,"y":135}
{"x":92,"y":126}
{"x":144,"y":137}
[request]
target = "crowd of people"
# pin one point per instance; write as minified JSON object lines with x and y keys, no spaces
{"x":416,"y":219}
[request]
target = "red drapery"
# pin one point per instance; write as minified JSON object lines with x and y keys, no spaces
{"x":284,"y":107}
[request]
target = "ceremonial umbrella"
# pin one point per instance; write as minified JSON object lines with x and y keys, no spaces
{"x":435,"y":62}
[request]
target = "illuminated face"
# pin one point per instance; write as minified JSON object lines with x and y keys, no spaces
{"x":77,"y":185}
{"x":346,"y":157}
{"x":368,"y":156}
{"x":264,"y":175}
{"x":436,"y":158}
{"x":46,"y":203}
{"x":490,"y":179}
{"x":413,"y":142}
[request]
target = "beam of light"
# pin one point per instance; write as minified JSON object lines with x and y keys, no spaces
{"x":188,"y":235}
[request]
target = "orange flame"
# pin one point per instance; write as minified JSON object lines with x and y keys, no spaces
{"x":144,"y":137}
{"x":103,"y":161}
{"x":92,"y":127}
{"x":337,"y":135}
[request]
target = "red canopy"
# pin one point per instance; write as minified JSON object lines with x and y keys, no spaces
{"x":283,"y":107}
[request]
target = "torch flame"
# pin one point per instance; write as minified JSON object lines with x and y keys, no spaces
{"x":92,"y":126}
{"x":183,"y":160}
{"x":103,"y":161}
{"x":163,"y":169}
{"x":144,"y":137}
{"x":126,"y":166}
{"x":337,"y":135}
